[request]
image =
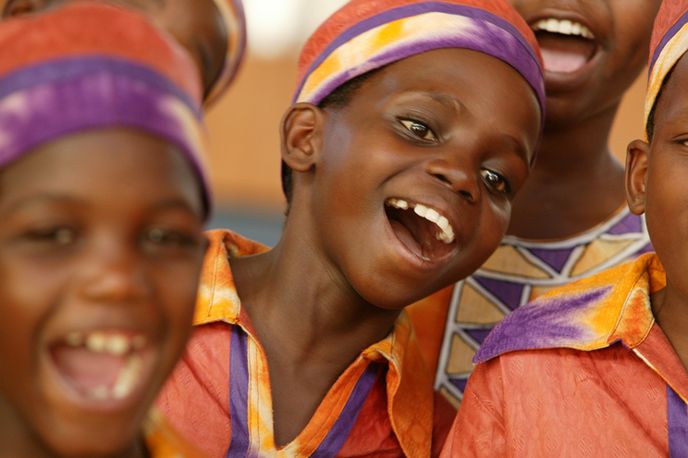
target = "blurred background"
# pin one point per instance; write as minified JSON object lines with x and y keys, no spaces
{"x":244,"y":125}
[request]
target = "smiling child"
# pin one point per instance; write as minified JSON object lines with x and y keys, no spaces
{"x":570,"y":220}
{"x":212,"y":31}
{"x":102,"y":203}
{"x":401,"y":160}
{"x":598,"y":368}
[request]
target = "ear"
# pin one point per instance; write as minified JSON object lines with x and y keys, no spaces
{"x":21,"y":7}
{"x":637,"y":156}
{"x":302,"y":136}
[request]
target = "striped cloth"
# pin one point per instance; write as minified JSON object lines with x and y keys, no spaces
{"x":232,"y":12}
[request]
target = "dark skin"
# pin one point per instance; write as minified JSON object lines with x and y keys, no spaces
{"x":583,"y":181}
{"x":341,"y":274}
{"x":196,"y":25}
{"x":655,"y":185}
{"x":77,"y":258}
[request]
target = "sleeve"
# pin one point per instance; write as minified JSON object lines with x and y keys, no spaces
{"x":195,"y":399}
{"x":479,"y":428}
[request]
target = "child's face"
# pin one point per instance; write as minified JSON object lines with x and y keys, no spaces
{"x":592,"y":50}
{"x":100,"y":250}
{"x":196,"y":24}
{"x":427,"y":135}
{"x":656,"y":178}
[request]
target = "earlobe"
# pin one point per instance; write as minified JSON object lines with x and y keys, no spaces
{"x":301,"y":136}
{"x":636,"y":175}
{"x":21,"y":7}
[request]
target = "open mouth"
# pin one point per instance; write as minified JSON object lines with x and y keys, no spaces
{"x":423,"y":230}
{"x":101,"y":365}
{"x":566,"y":45}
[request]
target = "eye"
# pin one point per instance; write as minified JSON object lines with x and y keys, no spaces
{"x":58,"y":235}
{"x":418,"y":129}
{"x":165,"y":238}
{"x":495,"y":181}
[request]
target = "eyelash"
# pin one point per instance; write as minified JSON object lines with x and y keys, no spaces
{"x":409,"y":124}
{"x":501,"y":186}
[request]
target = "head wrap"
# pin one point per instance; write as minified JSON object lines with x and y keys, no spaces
{"x":88,"y":66}
{"x":232,"y":12}
{"x":368,"y":34}
{"x":668,"y":44}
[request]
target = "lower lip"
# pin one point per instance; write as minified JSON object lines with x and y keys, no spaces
{"x":420,"y":264}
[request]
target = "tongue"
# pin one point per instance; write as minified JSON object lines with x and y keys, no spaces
{"x":409,"y":241}
{"x":85,"y":369}
{"x":562,"y":54}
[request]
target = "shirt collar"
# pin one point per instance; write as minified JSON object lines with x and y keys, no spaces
{"x":589,"y":314}
{"x":409,"y":383}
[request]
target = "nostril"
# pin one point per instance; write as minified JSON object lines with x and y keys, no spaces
{"x":443,"y":178}
{"x":467,"y":195}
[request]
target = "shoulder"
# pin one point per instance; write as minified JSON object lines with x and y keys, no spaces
{"x":582,"y":315}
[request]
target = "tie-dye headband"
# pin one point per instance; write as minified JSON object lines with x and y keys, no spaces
{"x":89,"y":66}
{"x":669,"y":43}
{"x":232,"y":12}
{"x":368,"y":34}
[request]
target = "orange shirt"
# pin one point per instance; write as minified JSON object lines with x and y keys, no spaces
{"x":219,"y":396}
{"x":583,"y":371}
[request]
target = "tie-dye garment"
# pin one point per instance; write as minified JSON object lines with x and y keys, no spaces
{"x":582,"y":371}
{"x":518,"y":272}
{"x":219,"y":396}
{"x":162,"y":441}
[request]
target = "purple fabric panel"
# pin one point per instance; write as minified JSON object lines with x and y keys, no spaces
{"x":677,"y":417}
{"x":509,"y":293}
{"x":59,"y":70}
{"x":238,"y":393}
{"x":545,"y":323}
{"x":40,"y":113}
{"x":629,"y":224}
{"x":665,"y":39}
{"x":525,"y":55}
{"x":556,"y":259}
{"x":478,"y":335}
{"x":337,"y":436}
{"x":459,"y":382}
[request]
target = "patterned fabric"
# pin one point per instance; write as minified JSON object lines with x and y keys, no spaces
{"x":582,"y":371}
{"x":219,"y":395}
{"x":365,"y":35}
{"x":232,"y":12}
{"x":516,"y":273}
{"x":669,"y":43}
{"x":83,"y":67}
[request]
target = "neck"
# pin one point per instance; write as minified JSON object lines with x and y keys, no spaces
{"x":670,"y":309}
{"x":295,"y":284}
{"x":583,"y":181}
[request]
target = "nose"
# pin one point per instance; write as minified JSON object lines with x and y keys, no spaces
{"x":113,"y":273}
{"x":456,"y":175}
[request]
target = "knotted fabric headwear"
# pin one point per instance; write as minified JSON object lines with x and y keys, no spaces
{"x":669,"y":43}
{"x":232,"y":12}
{"x":89,"y":66}
{"x":368,"y":34}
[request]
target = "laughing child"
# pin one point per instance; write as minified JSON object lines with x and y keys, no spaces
{"x":571,"y":219}
{"x":212,"y":31}
{"x":401,"y":159}
{"x":102,"y":203}
{"x":598,"y":368}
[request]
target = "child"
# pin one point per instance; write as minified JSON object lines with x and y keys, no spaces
{"x":598,"y":368}
{"x":212,"y":31}
{"x":401,"y":159}
{"x":571,"y":220}
{"x":102,"y":202}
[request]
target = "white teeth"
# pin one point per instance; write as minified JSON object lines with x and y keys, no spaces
{"x":96,"y":342}
{"x":564,"y":27}
{"x":117,"y":345}
{"x":446,"y":233}
{"x":100,"y":393}
{"x":127,"y":378}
